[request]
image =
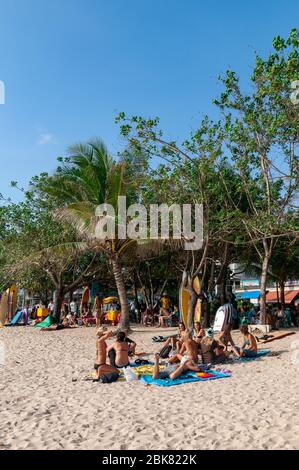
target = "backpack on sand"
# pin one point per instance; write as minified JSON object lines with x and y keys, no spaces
{"x":164,"y":353}
{"x":108,"y":378}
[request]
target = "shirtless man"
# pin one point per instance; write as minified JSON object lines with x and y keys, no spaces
{"x":101,"y":352}
{"x":188,"y":351}
{"x":97,"y":308}
{"x":173,"y":371}
{"x":118,"y":352}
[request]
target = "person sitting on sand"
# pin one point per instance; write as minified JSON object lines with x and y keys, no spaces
{"x":87,"y":318}
{"x":249,"y":346}
{"x":118,"y":352}
{"x":176,"y":341}
{"x":101,"y":352}
{"x":188,"y":351}
{"x":212,"y":351}
{"x":132,"y":345}
{"x":148,"y":316}
{"x":164,"y":316}
{"x":198,"y":332}
{"x":173,"y":371}
{"x":175,"y":315}
{"x":71,"y":319}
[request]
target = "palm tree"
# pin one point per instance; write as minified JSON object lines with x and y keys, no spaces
{"x":87,"y":178}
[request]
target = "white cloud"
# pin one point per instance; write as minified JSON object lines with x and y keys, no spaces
{"x":45,"y":138}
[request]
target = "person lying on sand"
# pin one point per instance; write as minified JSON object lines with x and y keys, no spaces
{"x":188,"y":351}
{"x":118,"y":352}
{"x":60,"y":326}
{"x":249,"y":346}
{"x":173,"y":371}
{"x":101,"y":351}
{"x":212,"y":351}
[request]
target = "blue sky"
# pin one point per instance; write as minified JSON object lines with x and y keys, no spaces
{"x":69,"y":66}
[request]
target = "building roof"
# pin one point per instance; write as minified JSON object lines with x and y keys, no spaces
{"x":289,"y":295}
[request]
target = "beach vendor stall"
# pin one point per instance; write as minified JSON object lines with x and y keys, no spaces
{"x":111,"y":310}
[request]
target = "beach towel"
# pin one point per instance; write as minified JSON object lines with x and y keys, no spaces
{"x":145,"y":370}
{"x":260,"y":353}
{"x":185,"y":378}
{"x":140,"y":365}
{"x":46,"y":323}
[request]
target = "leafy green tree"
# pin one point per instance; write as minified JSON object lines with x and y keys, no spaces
{"x":87,"y":178}
{"x":41,"y":254}
{"x":260,"y":132}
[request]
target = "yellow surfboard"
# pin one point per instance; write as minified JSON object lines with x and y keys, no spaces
{"x":85,"y":298}
{"x":4,"y":308}
{"x":8,"y":304}
{"x":12,"y":300}
{"x":184,"y":299}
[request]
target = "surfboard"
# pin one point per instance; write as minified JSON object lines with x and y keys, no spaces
{"x":85,"y":298}
{"x":184,"y":299}
{"x":4,"y":303}
{"x":12,"y":292}
{"x":219,"y":319}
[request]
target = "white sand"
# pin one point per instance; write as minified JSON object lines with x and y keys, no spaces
{"x":46,"y":404}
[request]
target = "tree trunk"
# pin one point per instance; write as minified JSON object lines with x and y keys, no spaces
{"x":58,"y":299}
{"x":282,"y":294}
{"x":205,"y":312}
{"x":121,"y":289}
{"x":191,"y":308}
{"x":211,"y":282}
{"x":277,"y":293}
{"x":223,"y":284}
{"x":264,"y":278}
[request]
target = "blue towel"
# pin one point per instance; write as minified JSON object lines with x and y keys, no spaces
{"x":132,"y":364}
{"x":182,"y":379}
{"x":260,"y":353}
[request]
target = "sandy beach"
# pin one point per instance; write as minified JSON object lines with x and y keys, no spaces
{"x":46,"y":402}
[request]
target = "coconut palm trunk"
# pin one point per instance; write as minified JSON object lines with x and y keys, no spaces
{"x":58,"y":299}
{"x":121,"y":289}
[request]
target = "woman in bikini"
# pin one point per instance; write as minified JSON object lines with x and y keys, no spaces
{"x":188,"y":351}
{"x":101,"y":352}
{"x":118,"y":352}
{"x":249,"y":346}
{"x":198,"y":332}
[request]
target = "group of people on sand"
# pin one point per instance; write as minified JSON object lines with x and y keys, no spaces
{"x":188,"y":345}
{"x":115,"y":356}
